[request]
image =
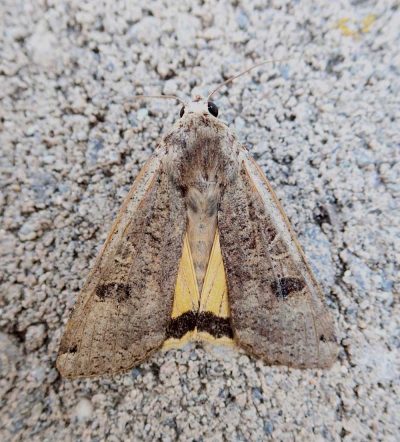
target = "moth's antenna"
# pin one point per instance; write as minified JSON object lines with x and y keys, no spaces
{"x":167,"y":97}
{"x":229,"y":80}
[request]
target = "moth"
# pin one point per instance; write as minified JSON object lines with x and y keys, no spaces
{"x":201,"y":250}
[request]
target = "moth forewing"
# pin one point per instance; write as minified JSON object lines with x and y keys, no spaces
{"x":124,"y":307}
{"x":278,"y":310}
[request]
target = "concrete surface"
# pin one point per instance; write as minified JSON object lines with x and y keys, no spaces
{"x":324,"y":125}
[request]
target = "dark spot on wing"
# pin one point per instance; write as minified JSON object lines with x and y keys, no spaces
{"x":270,"y":232}
{"x":215,"y":325}
{"x":114,"y":290}
{"x":283,"y":287}
{"x":179,"y":326}
{"x":205,"y":322}
{"x":67,"y":348}
{"x":279,"y":248}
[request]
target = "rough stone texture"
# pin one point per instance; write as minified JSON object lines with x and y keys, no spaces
{"x":323,"y":125}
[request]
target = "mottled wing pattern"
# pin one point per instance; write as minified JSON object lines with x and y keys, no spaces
{"x":278,"y":311}
{"x":124,"y":308}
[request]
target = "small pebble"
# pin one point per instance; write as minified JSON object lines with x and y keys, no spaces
{"x":84,"y":410}
{"x":35,"y":336}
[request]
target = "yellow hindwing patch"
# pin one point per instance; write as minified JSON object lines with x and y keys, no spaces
{"x":213,"y":298}
{"x":214,"y":295}
{"x":186,"y":296}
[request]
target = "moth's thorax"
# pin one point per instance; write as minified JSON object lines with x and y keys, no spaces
{"x":201,"y":148}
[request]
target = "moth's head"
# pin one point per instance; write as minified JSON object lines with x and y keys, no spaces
{"x":200,"y":106}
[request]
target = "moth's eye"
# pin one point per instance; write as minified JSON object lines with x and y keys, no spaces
{"x":182,"y":111}
{"x":212,"y":108}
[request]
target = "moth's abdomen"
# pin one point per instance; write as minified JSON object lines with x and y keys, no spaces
{"x":202,"y":206}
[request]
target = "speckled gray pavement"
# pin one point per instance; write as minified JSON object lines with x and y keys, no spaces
{"x":324,"y":126}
